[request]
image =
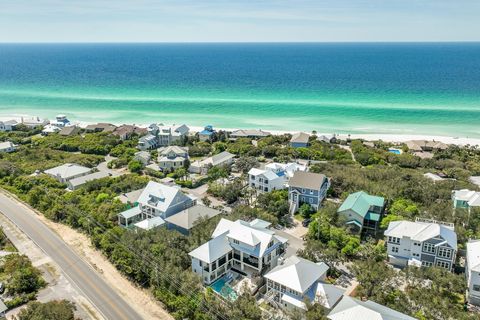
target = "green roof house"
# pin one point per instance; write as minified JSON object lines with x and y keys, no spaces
{"x":361,"y":210}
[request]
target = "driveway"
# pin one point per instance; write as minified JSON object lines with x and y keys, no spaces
{"x":294,"y":243}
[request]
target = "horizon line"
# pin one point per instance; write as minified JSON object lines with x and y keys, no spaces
{"x":244,"y":42}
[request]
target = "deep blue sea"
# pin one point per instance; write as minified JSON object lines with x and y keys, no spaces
{"x":406,"y":88}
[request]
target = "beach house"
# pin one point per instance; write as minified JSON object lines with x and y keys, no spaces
{"x":69,"y":131}
{"x":75,"y":183}
{"x":353,"y":309}
{"x":8,"y":125}
{"x":300,"y":140}
{"x":168,"y":135}
{"x":34,"y":122}
{"x":172,"y":157}
{"x":67,"y":172}
{"x":307,"y":187}
{"x":60,"y":121}
{"x":206,"y":134}
{"x":295,"y":280}
{"x":472,"y":272}
{"x":362,"y":211}
{"x":100,"y":127}
{"x":249,"y":133}
{"x":246,"y":248}
{"x":156,"y":203}
{"x":465,"y":199}
{"x":143,"y":157}
{"x":273,"y":177}
{"x":148,"y":142}
{"x":424,"y":243}
{"x":425,"y":145}
{"x":126,"y":131}
{"x":185,"y":220}
{"x":201,"y":167}
{"x":7,"y":147}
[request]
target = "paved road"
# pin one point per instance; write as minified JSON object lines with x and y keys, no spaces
{"x":102,"y":296}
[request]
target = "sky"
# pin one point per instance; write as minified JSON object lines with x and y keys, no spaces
{"x":238,"y":20}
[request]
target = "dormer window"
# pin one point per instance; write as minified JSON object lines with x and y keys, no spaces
{"x":270,"y":244}
{"x":236,"y":241}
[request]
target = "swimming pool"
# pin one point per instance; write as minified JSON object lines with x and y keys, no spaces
{"x":395,"y":151}
{"x":222,"y":287}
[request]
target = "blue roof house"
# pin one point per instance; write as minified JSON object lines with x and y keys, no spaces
{"x":207,"y":133}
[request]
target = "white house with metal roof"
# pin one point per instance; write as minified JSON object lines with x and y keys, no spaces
{"x":223,"y":158}
{"x":7,"y":147}
{"x":472,"y":271}
{"x":67,"y":172}
{"x":248,"y":248}
{"x":465,"y":199}
{"x":156,"y":200}
{"x":274,"y":177}
{"x":421,"y":243}
{"x":297,"y":279}
{"x":353,"y":309}
{"x":8,"y":125}
{"x":75,"y":183}
{"x":172,"y":157}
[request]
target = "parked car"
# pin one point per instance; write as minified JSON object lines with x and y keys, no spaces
{"x":306,"y":222}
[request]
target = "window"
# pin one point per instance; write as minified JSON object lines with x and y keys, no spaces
{"x":427,"y":264}
{"x":236,"y":241}
{"x":311,"y":191}
{"x":303,"y":191}
{"x":416,"y":244}
{"x":444,"y":252}
{"x":476,"y":287}
{"x":310,"y":200}
{"x":395,"y":249}
{"x":270,"y":244}
{"x":416,"y":255}
{"x":428,"y":247}
{"x":394,"y":240}
{"x":443,"y":264}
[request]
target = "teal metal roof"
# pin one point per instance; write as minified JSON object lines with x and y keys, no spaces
{"x":360,"y":202}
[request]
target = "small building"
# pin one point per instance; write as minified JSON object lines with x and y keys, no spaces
{"x":362,"y":211}
{"x":327,"y":138}
{"x":8,"y":125}
{"x":148,"y":142}
{"x":274,"y":177}
{"x":295,"y":280}
{"x":188,"y":218}
{"x":3,"y":309}
{"x":465,"y":199}
{"x":249,"y":133}
{"x":34,"y":122}
{"x":422,"y":243}
{"x":300,"y":140}
{"x":49,"y":129}
{"x":156,"y":200}
{"x":425,"y":145}
{"x":353,"y":309}
{"x":100,"y":127}
{"x":70,"y":131}
{"x":472,"y":272}
{"x":67,"y":172}
{"x":223,"y":158}
{"x":7,"y":147}
{"x":143,"y":157}
{"x":74,"y":184}
{"x":126,"y":131}
{"x":247,"y":247}
{"x":307,"y":187}
{"x":172,"y":157}
{"x":167,"y":135}
{"x":60,"y":121}
{"x":206,"y":134}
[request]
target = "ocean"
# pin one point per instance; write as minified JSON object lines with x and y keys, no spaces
{"x":382,"y":88}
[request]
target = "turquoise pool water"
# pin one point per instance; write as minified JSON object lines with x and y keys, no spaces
{"x":395,"y":151}
{"x":222,"y":288}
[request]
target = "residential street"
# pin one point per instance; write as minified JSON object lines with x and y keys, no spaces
{"x":81,"y":274}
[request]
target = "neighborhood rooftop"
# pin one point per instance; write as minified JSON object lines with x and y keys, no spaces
{"x":189,"y":217}
{"x":68,"y":170}
{"x":308,"y":180}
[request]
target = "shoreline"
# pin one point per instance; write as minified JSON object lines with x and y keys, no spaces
{"x":392,"y":138}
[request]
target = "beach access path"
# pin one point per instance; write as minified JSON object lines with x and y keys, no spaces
{"x":92,"y":281}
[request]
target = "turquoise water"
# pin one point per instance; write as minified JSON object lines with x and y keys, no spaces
{"x":332,"y":88}
{"x":222,"y":288}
